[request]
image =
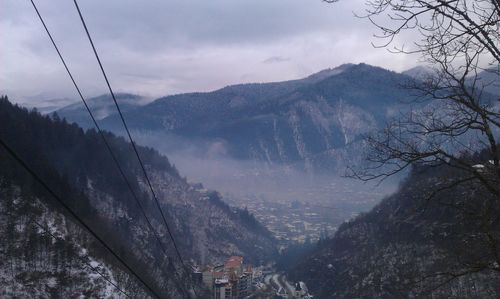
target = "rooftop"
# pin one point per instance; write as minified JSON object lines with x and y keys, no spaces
{"x":233,"y":262}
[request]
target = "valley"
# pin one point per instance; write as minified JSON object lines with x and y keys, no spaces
{"x":278,"y":149}
{"x":249,"y":172}
{"x":250,"y":149}
{"x":313,"y":213}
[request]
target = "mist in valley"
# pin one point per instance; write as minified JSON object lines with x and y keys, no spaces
{"x":277,"y":194}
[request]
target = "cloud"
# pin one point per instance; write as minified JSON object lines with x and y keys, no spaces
{"x":160,"y":47}
{"x":276,"y":59}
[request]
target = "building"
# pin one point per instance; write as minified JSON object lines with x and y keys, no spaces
{"x":232,"y":280}
{"x":244,"y":286}
{"x":234,"y":264}
{"x":245,"y":282}
{"x":223,"y":289}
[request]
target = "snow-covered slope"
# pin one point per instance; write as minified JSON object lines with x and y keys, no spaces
{"x":412,"y":245}
{"x":46,"y":256}
{"x":76,"y":164}
{"x":297,"y":123}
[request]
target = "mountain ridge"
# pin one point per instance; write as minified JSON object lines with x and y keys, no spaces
{"x":409,"y":246}
{"x":309,"y":117}
{"x":101,"y":106}
{"x":210,"y":229}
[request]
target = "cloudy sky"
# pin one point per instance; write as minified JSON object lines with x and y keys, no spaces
{"x":161,"y":47}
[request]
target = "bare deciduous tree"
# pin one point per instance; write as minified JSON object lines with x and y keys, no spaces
{"x":456,"y":117}
{"x":459,"y":38}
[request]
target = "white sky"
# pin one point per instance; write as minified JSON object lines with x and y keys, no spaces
{"x":160,"y":47}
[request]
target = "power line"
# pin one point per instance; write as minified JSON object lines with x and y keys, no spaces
{"x":98,"y":128}
{"x":72,"y":213}
{"x":47,"y":231}
{"x":150,"y":226}
{"x":130,"y":138}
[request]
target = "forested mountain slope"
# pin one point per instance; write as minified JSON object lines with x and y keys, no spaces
{"x":101,"y":106}
{"x":413,"y":245}
{"x":76,"y":164}
{"x":314,"y":123}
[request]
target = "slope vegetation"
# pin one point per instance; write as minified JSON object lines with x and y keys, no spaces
{"x":76,"y":164}
{"x":413,"y":246}
{"x":313,"y":123}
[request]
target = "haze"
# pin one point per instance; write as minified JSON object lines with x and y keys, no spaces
{"x":156,"y":48}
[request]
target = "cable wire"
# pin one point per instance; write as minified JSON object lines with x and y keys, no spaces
{"x":115,"y":159}
{"x":150,"y":226}
{"x":130,"y":138}
{"x":47,"y":231}
{"x":74,"y":215}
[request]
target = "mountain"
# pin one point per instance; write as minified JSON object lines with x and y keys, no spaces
{"x":410,"y":246}
{"x":312,"y":124}
{"x":419,"y":72}
{"x":101,"y":106}
{"x":45,"y":106}
{"x":489,"y":79}
{"x":77,"y":166}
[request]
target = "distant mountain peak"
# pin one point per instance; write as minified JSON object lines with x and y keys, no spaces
{"x":419,"y":72}
{"x":102,"y":106}
{"x":329,"y":72}
{"x":105,"y":100}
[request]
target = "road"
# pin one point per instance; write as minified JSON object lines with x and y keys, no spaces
{"x":277,"y":281}
{"x":288,"y":287}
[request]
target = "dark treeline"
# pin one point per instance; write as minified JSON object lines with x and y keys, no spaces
{"x":433,"y":238}
{"x":77,"y":166}
{"x":68,"y":159}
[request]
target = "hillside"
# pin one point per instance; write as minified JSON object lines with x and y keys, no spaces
{"x":76,"y":163}
{"x":101,"y":106}
{"x":279,"y":141}
{"x":411,"y":247}
{"x":487,"y":80}
{"x":312,"y":124}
